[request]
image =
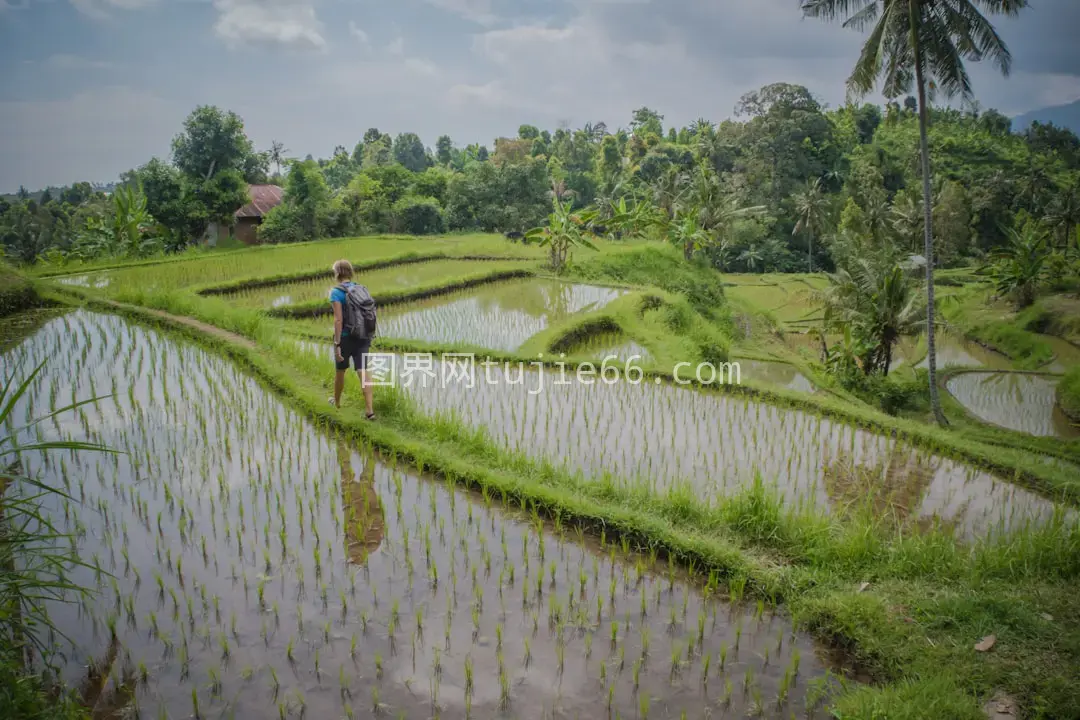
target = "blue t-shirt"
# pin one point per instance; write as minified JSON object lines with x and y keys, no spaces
{"x":337,"y":295}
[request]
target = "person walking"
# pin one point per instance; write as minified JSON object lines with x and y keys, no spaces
{"x":354,"y":327}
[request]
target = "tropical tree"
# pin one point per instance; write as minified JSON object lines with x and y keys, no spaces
{"x":1020,"y":267}
{"x":877,"y":302}
{"x":812,"y":209}
{"x":922,"y":43}
{"x":667,"y":190}
{"x":686,"y":234}
{"x":130,"y":221}
{"x":906,"y":217}
{"x":277,"y":154}
{"x":752,"y":257}
{"x":566,"y":229}
{"x":1064,"y":213}
{"x":715,"y":208}
{"x":625,"y":220}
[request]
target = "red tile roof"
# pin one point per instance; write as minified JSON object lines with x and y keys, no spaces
{"x":263,"y":197}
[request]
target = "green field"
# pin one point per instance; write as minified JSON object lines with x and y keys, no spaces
{"x":380,"y":281}
{"x":774,"y":548}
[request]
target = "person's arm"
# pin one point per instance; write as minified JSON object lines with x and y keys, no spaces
{"x":337,"y":329}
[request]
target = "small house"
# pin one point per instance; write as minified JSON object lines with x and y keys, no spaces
{"x":249,"y":217}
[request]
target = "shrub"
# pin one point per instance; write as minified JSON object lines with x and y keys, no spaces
{"x":889,"y":393}
{"x":418,"y":216}
{"x":282,"y":224}
{"x":16,"y":293}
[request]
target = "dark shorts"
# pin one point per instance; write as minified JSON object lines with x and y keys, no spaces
{"x":355,"y":349}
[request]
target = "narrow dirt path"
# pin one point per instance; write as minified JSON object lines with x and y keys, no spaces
{"x":184,"y":320}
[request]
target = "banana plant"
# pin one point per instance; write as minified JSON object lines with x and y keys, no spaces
{"x":566,"y":229}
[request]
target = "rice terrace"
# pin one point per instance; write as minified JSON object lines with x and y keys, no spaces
{"x":771,"y":417}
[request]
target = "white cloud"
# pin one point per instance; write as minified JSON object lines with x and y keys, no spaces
{"x":64,"y":61}
{"x":358,"y":32}
{"x":274,"y":22}
{"x":93,"y":135}
{"x":478,"y":11}
{"x":396,"y":46}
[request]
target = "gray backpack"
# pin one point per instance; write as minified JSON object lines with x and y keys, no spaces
{"x":358,"y":311}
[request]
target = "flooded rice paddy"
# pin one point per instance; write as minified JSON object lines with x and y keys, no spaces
{"x":498,"y":316}
{"x":1017,"y":401}
{"x":774,"y":373}
{"x":612,"y":344}
{"x":248,"y":564}
{"x":660,"y":435}
{"x":379,"y":281}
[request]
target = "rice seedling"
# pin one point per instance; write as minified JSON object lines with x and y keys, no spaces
{"x":276,"y":485}
{"x":468,"y":675}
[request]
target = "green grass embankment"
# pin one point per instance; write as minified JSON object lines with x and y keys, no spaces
{"x":1068,"y":394}
{"x":17,"y":293}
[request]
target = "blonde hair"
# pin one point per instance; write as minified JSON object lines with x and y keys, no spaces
{"x":343,"y":270}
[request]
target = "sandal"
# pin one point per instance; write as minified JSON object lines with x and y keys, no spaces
{"x":370,"y":416}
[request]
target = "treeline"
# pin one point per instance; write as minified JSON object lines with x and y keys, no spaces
{"x":787,"y":185}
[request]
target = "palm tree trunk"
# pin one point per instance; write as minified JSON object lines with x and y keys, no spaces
{"x":928,"y":214}
{"x":810,"y":254}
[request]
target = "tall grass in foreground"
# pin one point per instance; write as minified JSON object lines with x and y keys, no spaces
{"x":34,"y":563}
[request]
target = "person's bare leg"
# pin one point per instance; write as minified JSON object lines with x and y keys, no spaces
{"x":369,"y":391}
{"x":339,"y":385}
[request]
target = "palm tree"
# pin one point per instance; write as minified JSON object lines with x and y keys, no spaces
{"x":1064,"y":213}
{"x":667,"y":191}
{"x":876,"y":300}
{"x":702,"y":128}
{"x":812,"y":209}
{"x":751,"y":257}
{"x":716,"y":209}
{"x":277,"y":154}
{"x":1020,"y":267}
{"x":906,"y":216}
{"x":913,"y":41}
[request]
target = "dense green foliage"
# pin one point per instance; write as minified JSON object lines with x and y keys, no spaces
{"x":16,"y":292}
{"x":787,"y":185}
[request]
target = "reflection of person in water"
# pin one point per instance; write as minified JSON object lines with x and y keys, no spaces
{"x":364,"y":522}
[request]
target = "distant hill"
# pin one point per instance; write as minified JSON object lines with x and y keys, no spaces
{"x":1067,"y":116}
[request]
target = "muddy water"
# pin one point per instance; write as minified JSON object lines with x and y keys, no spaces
{"x":1016,"y":401}
{"x":775,"y":373}
{"x":658,"y":435}
{"x":275,"y":571}
{"x":953,"y":351}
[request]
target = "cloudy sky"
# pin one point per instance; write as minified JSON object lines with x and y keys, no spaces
{"x":91,"y":88}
